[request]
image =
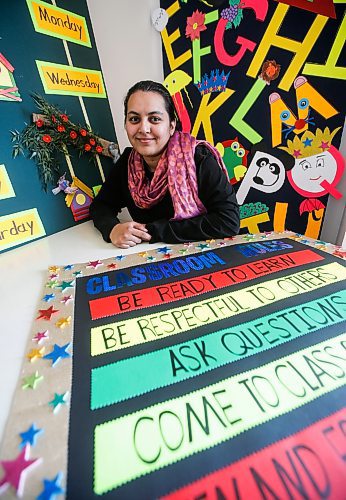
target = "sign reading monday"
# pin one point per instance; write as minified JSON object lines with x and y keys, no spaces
{"x":61,"y":23}
{"x":69,"y":80}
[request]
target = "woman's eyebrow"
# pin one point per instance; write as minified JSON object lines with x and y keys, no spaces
{"x":151,"y":113}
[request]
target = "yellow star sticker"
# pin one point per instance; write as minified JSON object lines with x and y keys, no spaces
{"x":35,"y":354}
{"x":143,"y":254}
{"x":54,"y":269}
{"x":63,"y":322}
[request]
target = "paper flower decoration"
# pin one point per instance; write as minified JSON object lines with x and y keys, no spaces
{"x":50,"y":137}
{"x":195,"y":24}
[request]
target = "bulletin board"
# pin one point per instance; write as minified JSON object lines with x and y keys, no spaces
{"x":204,"y":370}
{"x":55,"y":56}
{"x":264,"y":82}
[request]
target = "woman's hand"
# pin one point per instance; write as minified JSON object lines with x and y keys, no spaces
{"x":129,"y":234}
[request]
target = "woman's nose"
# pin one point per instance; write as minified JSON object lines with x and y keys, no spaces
{"x":144,"y":126}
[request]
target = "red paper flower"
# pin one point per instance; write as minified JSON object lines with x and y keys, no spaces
{"x":83,"y":132}
{"x":92,"y":142}
{"x":73,"y":134}
{"x":87,"y":147}
{"x":61,"y":128}
{"x":64,"y":118}
{"x":99,"y":149}
{"x":195,"y":24}
{"x":53,"y":119}
{"x":39,"y":123}
{"x":47,"y":138}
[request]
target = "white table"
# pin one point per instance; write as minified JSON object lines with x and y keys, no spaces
{"x":23,"y":275}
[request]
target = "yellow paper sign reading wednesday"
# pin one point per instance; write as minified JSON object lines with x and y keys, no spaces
{"x":69,"y":80}
{"x":60,"y":23}
{"x":19,"y":228}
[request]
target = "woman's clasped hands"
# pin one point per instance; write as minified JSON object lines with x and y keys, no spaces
{"x":129,"y":234}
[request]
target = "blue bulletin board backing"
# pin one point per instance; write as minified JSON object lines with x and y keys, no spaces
{"x":26,"y":210}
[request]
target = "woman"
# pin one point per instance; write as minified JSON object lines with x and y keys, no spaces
{"x":175,"y":188}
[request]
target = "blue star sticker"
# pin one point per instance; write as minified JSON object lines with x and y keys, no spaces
{"x":307,"y":142}
{"x":58,"y":352}
{"x":163,"y":250}
{"x":68,"y":267}
{"x":48,"y":297}
{"x":120,"y":257}
{"x":51,"y":488}
{"x":30,"y":436}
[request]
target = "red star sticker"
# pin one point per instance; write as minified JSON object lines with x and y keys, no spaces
{"x":340,"y":253}
{"x":46,"y":313}
{"x":15,"y":471}
{"x":94,"y":263}
{"x":167,"y":255}
{"x":324,"y":145}
{"x":297,"y":153}
{"x":112,"y":266}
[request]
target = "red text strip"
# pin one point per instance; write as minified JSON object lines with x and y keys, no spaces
{"x":171,"y":292}
{"x":309,"y":464}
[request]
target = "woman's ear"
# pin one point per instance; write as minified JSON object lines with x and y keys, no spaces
{"x":173,"y":126}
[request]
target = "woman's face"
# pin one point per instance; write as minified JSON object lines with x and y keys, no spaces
{"x":148,"y":125}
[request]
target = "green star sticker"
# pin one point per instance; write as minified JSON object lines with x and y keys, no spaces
{"x":59,"y":399}
{"x":32,"y":381}
{"x":66,"y":284}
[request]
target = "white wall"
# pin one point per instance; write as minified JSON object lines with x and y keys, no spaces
{"x":129,"y":50}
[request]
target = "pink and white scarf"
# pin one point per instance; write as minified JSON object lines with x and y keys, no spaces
{"x":175,"y":171}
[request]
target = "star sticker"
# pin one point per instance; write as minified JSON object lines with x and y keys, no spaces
{"x":65,"y":300}
{"x":54,"y":269}
{"x":63,"y":322}
{"x":340,"y":253}
{"x":48,"y":297}
{"x":120,"y":257}
{"x":40,"y":336}
{"x":229,"y":238}
{"x":188,"y":245}
{"x":248,"y":237}
{"x":16,"y":470}
{"x":203,"y":246}
{"x":164,"y":250}
{"x":32,"y":381}
{"x":58,"y":352}
{"x":324,"y":145}
{"x":210,"y":241}
{"x":222,"y":243}
{"x":52,"y":284}
{"x":150,"y":258}
{"x":77,"y":273}
{"x":143,"y":254}
{"x":53,"y":276}
{"x":47,"y":313}
{"x":167,"y":256}
{"x":30,"y":436}
{"x":94,"y":263}
{"x":297,"y":153}
{"x":183,"y":250}
{"x":51,"y":488}
{"x":59,"y":399}
{"x":68,"y":267}
{"x":35,"y":354}
{"x":307,"y":142}
{"x":66,"y":284}
{"x":112,"y":266}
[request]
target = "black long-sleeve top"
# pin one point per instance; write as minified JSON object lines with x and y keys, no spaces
{"x":216,"y":193}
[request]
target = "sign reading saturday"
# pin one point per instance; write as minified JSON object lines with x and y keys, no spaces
{"x":19,"y":228}
{"x":69,"y":80}
{"x":60,"y":23}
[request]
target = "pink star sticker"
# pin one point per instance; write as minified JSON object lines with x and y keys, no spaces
{"x":297,"y":153}
{"x":40,"y":336}
{"x":324,"y":145}
{"x":65,"y":300}
{"x":16,"y":470}
{"x":94,"y":263}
